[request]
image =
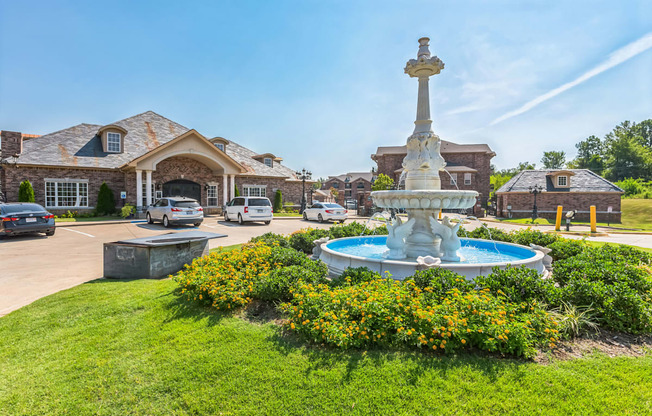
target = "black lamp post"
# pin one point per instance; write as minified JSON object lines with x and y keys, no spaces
{"x":535,"y":190}
{"x":303,"y":175}
{"x":12,"y":162}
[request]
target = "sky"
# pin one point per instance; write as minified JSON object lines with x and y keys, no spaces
{"x":321,"y":83}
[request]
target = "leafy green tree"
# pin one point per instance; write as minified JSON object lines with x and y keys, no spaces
{"x":25,"y":192}
{"x":627,"y":152}
{"x":278,"y":201}
{"x":334,"y":192}
{"x":553,"y":159}
{"x":497,"y":180}
{"x":525,"y":166}
{"x":382,"y":183}
{"x":105,"y":200}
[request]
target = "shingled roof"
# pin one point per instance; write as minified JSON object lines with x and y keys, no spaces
{"x":367,"y":176}
{"x":446,"y":147}
{"x":80,"y":146}
{"x":583,"y":180}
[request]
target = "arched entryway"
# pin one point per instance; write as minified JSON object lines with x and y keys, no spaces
{"x":182,"y":187}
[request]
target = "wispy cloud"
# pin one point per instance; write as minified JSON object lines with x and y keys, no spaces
{"x":615,"y":58}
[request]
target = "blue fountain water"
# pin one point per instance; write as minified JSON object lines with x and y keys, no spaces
{"x":473,"y":251}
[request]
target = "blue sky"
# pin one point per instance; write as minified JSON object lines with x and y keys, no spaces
{"x":321,"y":83}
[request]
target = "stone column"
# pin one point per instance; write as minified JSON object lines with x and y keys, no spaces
{"x":225,"y":197}
{"x":139,"y":189}
{"x":423,"y":123}
{"x":232,"y":177}
{"x":148,"y":184}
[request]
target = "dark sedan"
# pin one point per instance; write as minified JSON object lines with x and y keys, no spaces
{"x":23,"y":217}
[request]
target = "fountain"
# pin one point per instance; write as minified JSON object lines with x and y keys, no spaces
{"x":423,"y":241}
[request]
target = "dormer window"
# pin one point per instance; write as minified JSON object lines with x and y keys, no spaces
{"x":268,"y":161}
{"x":562,"y":180}
{"x":220,"y":146}
{"x":113,"y":142}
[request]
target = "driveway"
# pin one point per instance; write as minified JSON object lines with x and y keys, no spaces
{"x":35,"y":266}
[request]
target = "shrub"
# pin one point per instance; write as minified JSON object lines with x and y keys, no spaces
{"x":574,"y":320}
{"x":520,"y":284}
{"x":566,"y":248}
{"x":279,"y":283}
{"x":489,"y":234}
{"x":355,"y":276}
{"x":236,"y":191}
{"x":127,"y":210}
{"x":302,"y":240}
{"x":25,"y":192}
{"x":105,"y":200}
{"x":439,"y":281}
{"x":389,"y":312}
{"x":271,"y":239}
{"x":355,"y":229}
{"x":528,"y":236}
{"x":278,"y":201}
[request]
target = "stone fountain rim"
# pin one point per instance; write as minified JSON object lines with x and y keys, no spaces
{"x":420,"y":193}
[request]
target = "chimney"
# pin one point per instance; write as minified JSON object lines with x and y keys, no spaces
{"x":11,"y":144}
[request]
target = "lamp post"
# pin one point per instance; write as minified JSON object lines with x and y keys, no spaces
{"x":535,"y":190}
{"x":303,"y":174}
{"x":12,"y":162}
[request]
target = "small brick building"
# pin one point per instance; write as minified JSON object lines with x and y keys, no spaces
{"x":147,"y":156}
{"x":353,"y":188}
{"x":573,"y":189}
{"x":468,"y":167}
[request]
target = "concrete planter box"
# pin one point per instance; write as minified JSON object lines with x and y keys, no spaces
{"x":154,"y":257}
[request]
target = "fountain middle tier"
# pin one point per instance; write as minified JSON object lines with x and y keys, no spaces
{"x":435,"y":199}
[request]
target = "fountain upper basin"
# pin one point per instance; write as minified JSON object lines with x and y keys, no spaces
{"x":425,"y":199}
{"x":480,"y":257}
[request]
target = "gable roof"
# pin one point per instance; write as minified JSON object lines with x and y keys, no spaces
{"x":583,"y":180}
{"x":354,"y":176}
{"x":446,"y":147}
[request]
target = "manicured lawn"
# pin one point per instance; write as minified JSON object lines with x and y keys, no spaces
{"x":601,"y":243}
{"x":134,"y":347}
{"x":227,"y":248}
{"x":526,"y":221}
{"x":89,"y":219}
{"x":287,"y":214}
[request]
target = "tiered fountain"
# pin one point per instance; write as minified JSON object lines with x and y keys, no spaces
{"x":423,"y":241}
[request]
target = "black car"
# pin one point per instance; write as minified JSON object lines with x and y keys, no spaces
{"x":24,"y":217}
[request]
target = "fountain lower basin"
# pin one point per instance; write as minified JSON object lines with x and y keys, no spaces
{"x":480,"y":257}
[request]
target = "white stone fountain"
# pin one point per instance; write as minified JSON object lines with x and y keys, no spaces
{"x":423,"y":235}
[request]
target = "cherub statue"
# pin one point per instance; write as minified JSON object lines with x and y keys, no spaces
{"x":397,"y":233}
{"x":450,"y":242}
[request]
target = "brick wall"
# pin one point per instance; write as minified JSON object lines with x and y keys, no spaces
{"x":11,"y":142}
{"x":547,"y":203}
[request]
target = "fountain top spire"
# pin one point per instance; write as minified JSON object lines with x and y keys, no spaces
{"x":425,"y":65}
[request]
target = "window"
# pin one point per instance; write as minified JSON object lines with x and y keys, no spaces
{"x":467,"y":179}
{"x":211,"y":195}
{"x":254,"y":190}
{"x":113,"y":142}
{"x":145,"y":193}
{"x":454,"y":179}
{"x":335,"y":185}
{"x":66,"y":193}
{"x":347,"y":194}
{"x":360,"y":185}
{"x":562,"y":180}
{"x":220,"y":146}
{"x":347,"y":186}
{"x":268,"y":161}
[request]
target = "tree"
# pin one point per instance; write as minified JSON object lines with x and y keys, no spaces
{"x":553,"y":159}
{"x":628,"y":154}
{"x":25,"y":192}
{"x":278,"y":201}
{"x":105,"y":200}
{"x":237,"y":191}
{"x":382,"y":183}
{"x":334,"y":192}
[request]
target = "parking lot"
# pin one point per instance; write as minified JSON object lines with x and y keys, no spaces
{"x":34,"y":266}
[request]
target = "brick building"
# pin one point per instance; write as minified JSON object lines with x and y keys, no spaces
{"x":353,"y":188}
{"x":147,"y":156}
{"x":468,"y":166}
{"x":573,"y":189}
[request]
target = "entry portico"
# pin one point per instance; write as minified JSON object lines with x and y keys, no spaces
{"x":192,"y":146}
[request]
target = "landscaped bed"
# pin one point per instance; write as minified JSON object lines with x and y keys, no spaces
{"x":144,"y":347}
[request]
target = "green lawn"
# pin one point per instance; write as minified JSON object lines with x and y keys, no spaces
{"x":287,"y":214}
{"x":89,"y":219}
{"x":133,"y":347}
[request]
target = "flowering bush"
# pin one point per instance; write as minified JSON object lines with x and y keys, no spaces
{"x":389,"y":312}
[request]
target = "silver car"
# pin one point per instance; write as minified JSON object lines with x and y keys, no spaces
{"x":325,"y":211}
{"x":176,"y":210}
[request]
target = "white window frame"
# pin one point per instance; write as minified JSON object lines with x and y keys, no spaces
{"x":268,"y":162}
{"x":467,"y":179}
{"x":145,"y":193}
{"x":453,"y":178}
{"x":108,"y":142}
{"x":79,"y":198}
{"x":559,"y":184}
{"x":261,"y":190}
{"x":211,"y":193}
{"x":220,"y":146}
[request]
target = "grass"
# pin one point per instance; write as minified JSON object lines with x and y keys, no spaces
{"x":287,"y":214}
{"x":133,"y":347}
{"x":227,"y":248}
{"x":543,"y":221}
{"x":601,"y":243}
{"x":89,"y":219}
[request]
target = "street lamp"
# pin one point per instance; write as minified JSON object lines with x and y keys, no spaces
{"x":303,"y":175}
{"x":535,"y":190}
{"x":12,"y":162}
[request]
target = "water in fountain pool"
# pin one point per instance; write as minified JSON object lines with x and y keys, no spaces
{"x":472,"y":251}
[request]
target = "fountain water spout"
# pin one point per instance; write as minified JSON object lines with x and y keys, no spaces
{"x":450,"y":242}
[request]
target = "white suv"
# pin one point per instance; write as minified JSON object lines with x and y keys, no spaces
{"x":244,"y":208}
{"x":176,"y":210}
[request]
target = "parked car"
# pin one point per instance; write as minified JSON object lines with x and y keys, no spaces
{"x":244,"y":208}
{"x":325,"y":211}
{"x":23,"y":217}
{"x":176,"y":210}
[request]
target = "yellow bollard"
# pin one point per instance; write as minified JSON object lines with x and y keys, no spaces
{"x":560,"y":211}
{"x":593,"y":225}
{"x":439,"y":214}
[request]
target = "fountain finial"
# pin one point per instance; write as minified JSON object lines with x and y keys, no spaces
{"x":423,"y":48}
